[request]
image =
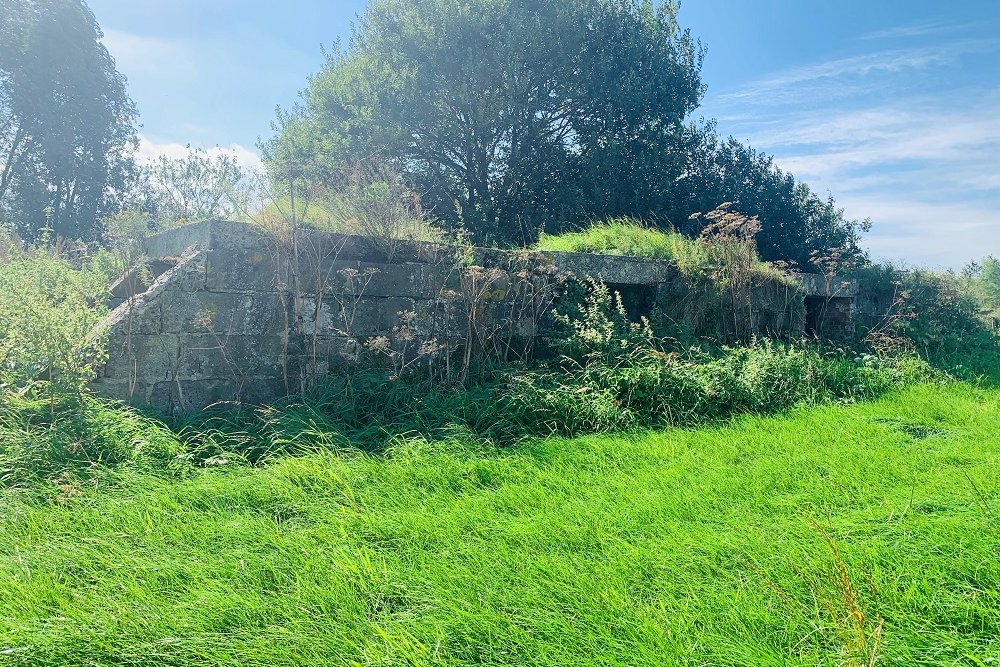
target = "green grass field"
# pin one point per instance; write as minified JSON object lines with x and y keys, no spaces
{"x":858,"y":535}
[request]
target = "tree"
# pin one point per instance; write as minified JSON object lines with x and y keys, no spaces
{"x":195,"y":187}
{"x":796,"y":224}
{"x":507,"y":115}
{"x":983,"y":278}
{"x":515,"y":116}
{"x":67,"y":125}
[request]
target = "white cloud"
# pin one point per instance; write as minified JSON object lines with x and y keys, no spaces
{"x":907,"y":137}
{"x":954,"y":147}
{"x":939,"y":235}
{"x":927,"y":178}
{"x":847,"y":76}
{"x":917,"y":30}
{"x":150,"y":150}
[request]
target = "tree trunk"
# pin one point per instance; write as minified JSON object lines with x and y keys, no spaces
{"x":8,"y":167}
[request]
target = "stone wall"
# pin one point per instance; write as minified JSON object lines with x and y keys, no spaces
{"x":232,"y":313}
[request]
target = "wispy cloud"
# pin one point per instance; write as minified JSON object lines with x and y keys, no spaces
{"x":852,"y":75}
{"x":944,"y":234}
{"x":963,"y":142}
{"x":927,"y":177}
{"x":918,"y":30}
{"x":908,"y":137}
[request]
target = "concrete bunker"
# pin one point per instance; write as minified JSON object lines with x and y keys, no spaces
{"x":225,"y":311}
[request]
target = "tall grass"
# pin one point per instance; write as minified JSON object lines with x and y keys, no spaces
{"x":48,"y":308}
{"x":634,"y":238}
{"x":845,"y":535}
{"x":625,"y":236}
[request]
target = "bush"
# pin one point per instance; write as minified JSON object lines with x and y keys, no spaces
{"x":617,"y":375}
{"x":721,"y":270}
{"x":49,"y":426}
{"x":983,"y":280}
{"x":48,"y":309}
{"x":366,"y":197}
{"x":625,"y":236}
{"x":938,"y":315}
{"x":648,"y":388}
{"x":726,"y":239}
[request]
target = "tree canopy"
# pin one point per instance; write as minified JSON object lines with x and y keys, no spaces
{"x":796,"y":224}
{"x":67,"y":125}
{"x":512,"y":117}
{"x":504,"y":114}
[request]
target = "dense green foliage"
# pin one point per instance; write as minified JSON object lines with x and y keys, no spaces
{"x":198,"y":186}
{"x":68,"y":126}
{"x":64,"y":439}
{"x":515,"y":117}
{"x":796,"y":224}
{"x":617,"y":375}
{"x":630,"y":237}
{"x":850,"y":535}
{"x":499,"y":110}
{"x":942,"y":316}
{"x":48,"y":308}
{"x":983,"y":279}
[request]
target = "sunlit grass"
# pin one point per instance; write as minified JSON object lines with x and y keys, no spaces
{"x":626,"y":237}
{"x":700,"y":547}
{"x":633,"y":238}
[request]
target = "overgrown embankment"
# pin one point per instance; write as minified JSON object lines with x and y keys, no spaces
{"x":607,"y":372}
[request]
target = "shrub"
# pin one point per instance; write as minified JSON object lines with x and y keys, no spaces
{"x":727,"y":238}
{"x":649,"y":388}
{"x":365,"y":197}
{"x":49,"y":426}
{"x":721,"y":268}
{"x":48,"y":309}
{"x":983,"y":280}
{"x":616,"y":375}
{"x":939,"y":315}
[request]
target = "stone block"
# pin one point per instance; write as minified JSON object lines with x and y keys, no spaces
{"x":209,"y":356}
{"x":141,"y":357}
{"x":613,"y":269}
{"x":244,"y":269}
{"x":376,"y":315}
{"x":179,"y":396}
{"x":814,"y":284}
{"x":174,"y":242}
{"x":137,"y":317}
{"x":224,"y":313}
{"x":410,"y":279}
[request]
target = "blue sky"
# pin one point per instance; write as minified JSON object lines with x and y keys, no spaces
{"x":893,"y":106}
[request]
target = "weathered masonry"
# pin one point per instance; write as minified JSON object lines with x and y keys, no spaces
{"x":225,"y":311}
